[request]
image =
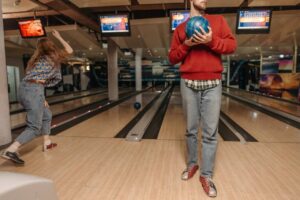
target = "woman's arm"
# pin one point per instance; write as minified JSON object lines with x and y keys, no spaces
{"x":67,"y":47}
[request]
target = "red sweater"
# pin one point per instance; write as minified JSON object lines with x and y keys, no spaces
{"x":203,"y":62}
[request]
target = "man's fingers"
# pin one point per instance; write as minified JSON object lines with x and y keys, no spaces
{"x":197,"y":37}
{"x":200,"y":35}
{"x":198,"y":40}
{"x":203,"y":32}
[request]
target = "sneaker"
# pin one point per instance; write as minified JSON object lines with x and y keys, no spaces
{"x":189,"y":172}
{"x":13,"y":156}
{"x":49,"y":146}
{"x":208,"y":186}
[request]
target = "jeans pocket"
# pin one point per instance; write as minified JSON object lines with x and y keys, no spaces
{"x":31,"y":97}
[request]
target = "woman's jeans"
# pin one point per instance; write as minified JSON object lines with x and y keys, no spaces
{"x":38,"y":118}
{"x":202,"y":106}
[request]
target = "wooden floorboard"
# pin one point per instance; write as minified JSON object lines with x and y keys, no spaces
{"x":89,"y":164}
{"x":109,"y":168}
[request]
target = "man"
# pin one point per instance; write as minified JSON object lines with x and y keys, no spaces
{"x":201,"y":69}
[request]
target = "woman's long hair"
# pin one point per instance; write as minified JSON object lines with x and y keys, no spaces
{"x":46,"y":47}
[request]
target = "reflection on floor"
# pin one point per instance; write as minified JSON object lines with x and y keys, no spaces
{"x":90,"y":164}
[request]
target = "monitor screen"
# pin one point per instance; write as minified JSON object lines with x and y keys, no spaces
{"x":31,"y":28}
{"x":253,"y":21}
{"x":114,"y":25}
{"x":177,"y":17}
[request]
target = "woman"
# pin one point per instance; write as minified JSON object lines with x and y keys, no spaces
{"x":43,"y":70}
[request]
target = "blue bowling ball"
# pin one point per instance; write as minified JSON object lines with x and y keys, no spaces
{"x":194,"y":23}
{"x":137,"y":105}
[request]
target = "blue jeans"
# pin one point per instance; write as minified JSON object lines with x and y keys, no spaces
{"x":202,"y":106}
{"x":38,"y":118}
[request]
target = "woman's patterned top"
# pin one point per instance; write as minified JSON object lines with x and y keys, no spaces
{"x":44,"y":69}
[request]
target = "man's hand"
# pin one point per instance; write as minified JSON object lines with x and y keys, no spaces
{"x":199,"y":38}
{"x":190,"y":42}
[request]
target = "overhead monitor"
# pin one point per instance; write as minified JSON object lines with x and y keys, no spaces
{"x":114,"y":25}
{"x":177,"y":17}
{"x":31,"y":28}
{"x":253,"y":21}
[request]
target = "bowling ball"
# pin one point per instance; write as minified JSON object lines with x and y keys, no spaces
{"x":194,"y":23}
{"x":137,"y":105}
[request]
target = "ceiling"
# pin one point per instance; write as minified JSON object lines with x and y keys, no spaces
{"x":9,"y":6}
{"x":224,"y":3}
{"x":274,"y":3}
{"x":84,"y":44}
{"x":100,"y":3}
{"x":153,"y":34}
{"x":159,"y":1}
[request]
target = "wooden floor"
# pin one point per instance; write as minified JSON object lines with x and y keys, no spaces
{"x":110,"y":122}
{"x":20,"y":118}
{"x":261,"y":126}
{"x":59,"y":97}
{"x":276,"y":104}
{"x":89,"y":164}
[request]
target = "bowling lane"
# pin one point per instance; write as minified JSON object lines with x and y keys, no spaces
{"x":174,"y":124}
{"x":107,"y":168}
{"x":19,"y":118}
{"x":61,"y":97}
{"x":115,"y":169}
{"x":283,"y":106}
{"x":107,"y":124}
{"x":261,"y":126}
